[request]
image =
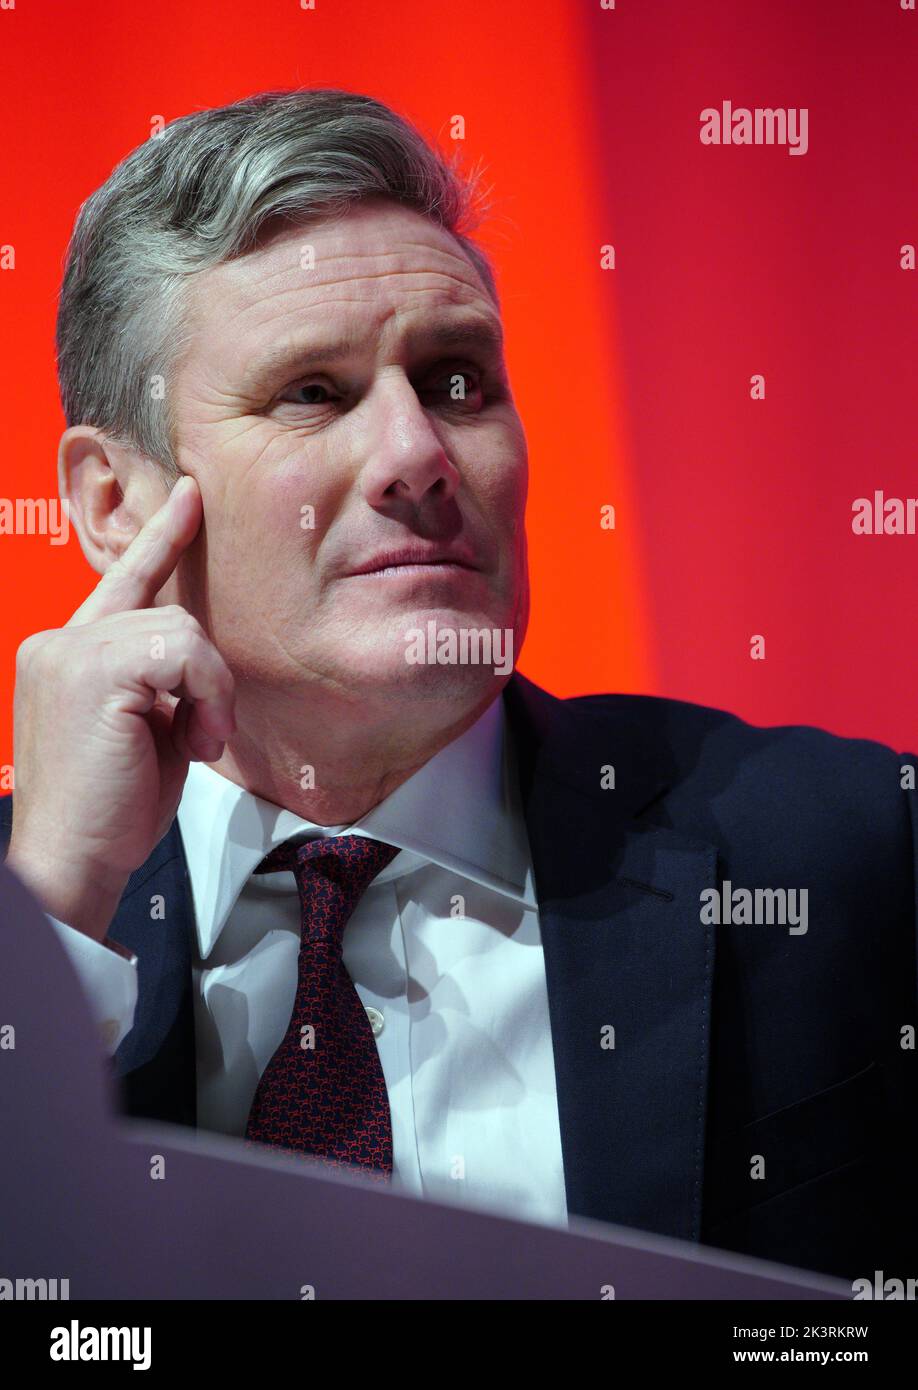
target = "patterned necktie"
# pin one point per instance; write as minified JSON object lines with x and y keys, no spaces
{"x":323,"y":1092}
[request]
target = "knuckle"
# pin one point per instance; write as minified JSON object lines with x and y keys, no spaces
{"x":194,"y":644}
{"x":181,"y":624}
{"x":194,"y":634}
{"x":28,"y":650}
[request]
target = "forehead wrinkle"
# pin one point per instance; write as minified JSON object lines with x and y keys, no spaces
{"x":451,"y":295}
{"x":330,"y":294}
{"x":234,"y":271}
{"x":260,"y":293}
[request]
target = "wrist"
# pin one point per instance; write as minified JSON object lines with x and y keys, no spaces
{"x":75,"y":894}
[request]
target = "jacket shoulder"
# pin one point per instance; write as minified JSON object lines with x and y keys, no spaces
{"x":695,"y":732}
{"x":724,"y":775}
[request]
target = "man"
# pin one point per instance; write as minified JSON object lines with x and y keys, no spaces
{"x":334,"y":878}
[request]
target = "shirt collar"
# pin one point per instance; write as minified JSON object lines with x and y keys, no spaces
{"x":460,"y":810}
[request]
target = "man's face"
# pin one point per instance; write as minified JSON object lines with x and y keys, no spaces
{"x":314,"y":407}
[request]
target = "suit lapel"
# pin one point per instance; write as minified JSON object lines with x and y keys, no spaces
{"x":155,"y":919}
{"x":625,"y":949}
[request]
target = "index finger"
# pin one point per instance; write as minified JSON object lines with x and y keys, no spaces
{"x":134,"y":580}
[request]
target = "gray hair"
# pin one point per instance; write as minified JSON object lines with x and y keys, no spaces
{"x":197,"y":195}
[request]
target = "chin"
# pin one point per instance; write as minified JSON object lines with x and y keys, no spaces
{"x":382,"y":667}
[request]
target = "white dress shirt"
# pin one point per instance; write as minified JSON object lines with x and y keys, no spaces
{"x":444,"y":951}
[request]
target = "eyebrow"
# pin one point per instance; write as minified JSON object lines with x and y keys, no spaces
{"x":450,"y":333}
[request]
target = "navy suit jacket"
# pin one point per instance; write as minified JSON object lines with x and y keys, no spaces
{"x":738,"y":1049}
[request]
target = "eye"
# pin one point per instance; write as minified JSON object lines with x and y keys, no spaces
{"x":305,"y":393}
{"x":452,"y":386}
{"x":459,"y":386}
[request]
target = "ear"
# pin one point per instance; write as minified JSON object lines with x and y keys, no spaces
{"x":110,"y":492}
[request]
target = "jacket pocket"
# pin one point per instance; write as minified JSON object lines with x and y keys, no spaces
{"x":816,"y":1136}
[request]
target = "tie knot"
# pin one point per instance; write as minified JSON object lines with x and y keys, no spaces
{"x":347,"y":862}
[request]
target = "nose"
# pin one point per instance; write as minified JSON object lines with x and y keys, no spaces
{"x":406,"y":461}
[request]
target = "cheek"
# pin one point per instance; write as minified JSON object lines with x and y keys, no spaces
{"x":503,"y":480}
{"x":274,"y":525}
{"x":504,"y":500}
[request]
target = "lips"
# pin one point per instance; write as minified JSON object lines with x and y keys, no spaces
{"x":410,"y":555}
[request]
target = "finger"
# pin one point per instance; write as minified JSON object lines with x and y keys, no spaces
{"x":169,"y":752}
{"x":205,"y":747}
{"x":183,"y":662}
{"x":189,"y":740}
{"x":134,"y":580}
{"x":192,"y":669}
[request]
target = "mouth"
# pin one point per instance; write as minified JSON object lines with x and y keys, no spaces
{"x":414,"y":561}
{"x":437,"y":571}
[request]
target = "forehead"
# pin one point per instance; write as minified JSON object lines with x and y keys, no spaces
{"x":379,"y":269}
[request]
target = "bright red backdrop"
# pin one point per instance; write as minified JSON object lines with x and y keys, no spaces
{"x":733,"y":515}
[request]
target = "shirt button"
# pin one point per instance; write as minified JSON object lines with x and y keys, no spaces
{"x":377,"y":1021}
{"x":109,"y":1031}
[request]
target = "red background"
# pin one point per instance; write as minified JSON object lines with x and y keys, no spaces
{"x":733,"y":515}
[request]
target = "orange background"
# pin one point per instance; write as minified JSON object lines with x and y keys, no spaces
{"x":733,"y":516}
